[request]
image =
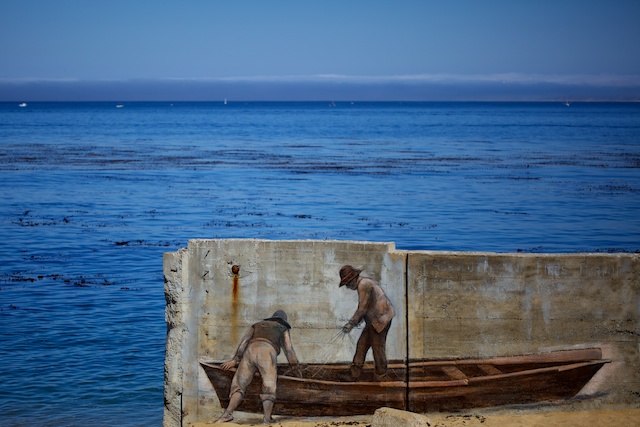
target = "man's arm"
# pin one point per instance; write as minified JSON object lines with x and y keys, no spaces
{"x":364,"y":298}
{"x":288,"y":348}
{"x":244,"y":342}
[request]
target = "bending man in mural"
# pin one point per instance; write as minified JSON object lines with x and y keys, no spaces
{"x":258,"y":351}
{"x":374,"y":307}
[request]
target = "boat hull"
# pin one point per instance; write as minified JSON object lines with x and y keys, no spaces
{"x":427,"y":386}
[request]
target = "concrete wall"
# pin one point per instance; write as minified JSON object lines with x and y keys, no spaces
{"x":448,"y":305}
{"x":484,"y":304}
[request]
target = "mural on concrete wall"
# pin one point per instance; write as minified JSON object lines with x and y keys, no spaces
{"x":376,"y":310}
{"x":359,"y":387}
{"x":257,"y":353}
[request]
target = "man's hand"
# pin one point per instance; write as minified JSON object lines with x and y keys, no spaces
{"x":228,"y":365}
{"x":294,"y":371}
{"x":347,"y":328}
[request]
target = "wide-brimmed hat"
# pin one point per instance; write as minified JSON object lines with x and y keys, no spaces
{"x":347,"y":274}
{"x":281,"y":317}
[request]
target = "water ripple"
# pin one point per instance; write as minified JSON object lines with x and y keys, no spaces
{"x":92,"y":197}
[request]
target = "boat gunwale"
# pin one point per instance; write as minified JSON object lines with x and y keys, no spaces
{"x":558,"y":356}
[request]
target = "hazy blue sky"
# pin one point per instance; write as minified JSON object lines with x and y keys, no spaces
{"x":374,"y":49}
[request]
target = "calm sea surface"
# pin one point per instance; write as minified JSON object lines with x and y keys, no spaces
{"x":92,"y":195}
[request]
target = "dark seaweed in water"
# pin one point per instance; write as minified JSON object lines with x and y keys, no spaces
{"x":93,"y":195}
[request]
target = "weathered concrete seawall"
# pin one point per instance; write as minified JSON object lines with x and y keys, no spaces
{"x":448,"y":305}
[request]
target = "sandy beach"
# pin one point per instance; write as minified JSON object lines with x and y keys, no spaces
{"x":606,"y":417}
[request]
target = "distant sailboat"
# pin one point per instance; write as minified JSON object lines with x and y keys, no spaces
{"x":119,"y":106}
{"x":567,"y":103}
{"x":225,"y":101}
{"x":24,"y":104}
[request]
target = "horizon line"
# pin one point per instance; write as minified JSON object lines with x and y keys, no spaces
{"x":424,"y":78}
{"x":331,"y":88}
{"x":327,"y":100}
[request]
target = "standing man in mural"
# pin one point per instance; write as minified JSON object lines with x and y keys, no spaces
{"x":374,"y":307}
{"x":258,"y":351}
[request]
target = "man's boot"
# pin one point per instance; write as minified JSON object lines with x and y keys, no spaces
{"x":381,"y":377}
{"x":351,"y":375}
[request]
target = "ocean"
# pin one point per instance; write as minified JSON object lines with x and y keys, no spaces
{"x":93,"y":194}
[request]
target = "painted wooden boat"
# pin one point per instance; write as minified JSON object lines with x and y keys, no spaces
{"x":420,"y":385}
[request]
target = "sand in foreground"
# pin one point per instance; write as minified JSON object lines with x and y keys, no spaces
{"x":617,"y":418}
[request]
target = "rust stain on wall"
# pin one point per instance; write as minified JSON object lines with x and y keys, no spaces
{"x":235,"y":297}
{"x":235,"y":283}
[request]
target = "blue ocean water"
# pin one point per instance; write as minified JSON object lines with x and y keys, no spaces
{"x":92,"y":195}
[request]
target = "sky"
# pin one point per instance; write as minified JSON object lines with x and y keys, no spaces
{"x":362,"y":50}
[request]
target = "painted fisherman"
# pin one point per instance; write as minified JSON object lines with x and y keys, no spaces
{"x":374,"y":307}
{"x":258,"y":351}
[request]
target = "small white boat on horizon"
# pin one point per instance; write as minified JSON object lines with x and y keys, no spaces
{"x":24,"y":104}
